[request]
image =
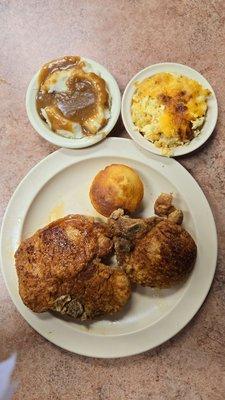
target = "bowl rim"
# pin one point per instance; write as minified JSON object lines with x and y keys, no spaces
{"x":42,"y":128}
{"x":195,"y":143}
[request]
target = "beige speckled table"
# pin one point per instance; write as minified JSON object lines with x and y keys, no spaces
{"x":125,"y":36}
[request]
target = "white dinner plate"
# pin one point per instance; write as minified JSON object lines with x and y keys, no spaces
{"x":211,"y":115}
{"x":59,"y":185}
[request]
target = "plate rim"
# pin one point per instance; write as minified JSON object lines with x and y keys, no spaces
{"x":105,"y":353}
{"x":144,"y":143}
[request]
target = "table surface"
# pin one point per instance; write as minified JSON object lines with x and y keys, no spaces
{"x":125,"y":36}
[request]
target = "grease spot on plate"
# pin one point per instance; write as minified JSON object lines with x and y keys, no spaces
{"x":58,"y":211}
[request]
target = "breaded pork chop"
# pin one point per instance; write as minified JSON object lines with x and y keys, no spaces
{"x":59,"y":268}
{"x":154,"y":251}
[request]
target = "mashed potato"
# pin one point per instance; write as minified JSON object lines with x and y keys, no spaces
{"x":169,"y":110}
{"x":72,"y":99}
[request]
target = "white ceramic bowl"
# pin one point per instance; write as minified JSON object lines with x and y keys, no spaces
{"x":211,"y":116}
{"x":43,"y":129}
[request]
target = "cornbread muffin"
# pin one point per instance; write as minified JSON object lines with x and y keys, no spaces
{"x":117,"y":186}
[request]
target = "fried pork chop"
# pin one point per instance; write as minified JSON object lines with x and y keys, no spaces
{"x":154,"y":251}
{"x":60,"y":268}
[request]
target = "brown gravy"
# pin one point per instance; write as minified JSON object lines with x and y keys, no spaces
{"x":86,"y":92}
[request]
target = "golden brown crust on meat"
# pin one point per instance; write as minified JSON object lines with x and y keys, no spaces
{"x":154,"y":251}
{"x":59,"y":268}
{"x":163,"y":204}
{"x":117,"y":186}
{"x":161,"y":258}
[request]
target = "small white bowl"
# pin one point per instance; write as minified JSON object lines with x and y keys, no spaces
{"x":211,"y":115}
{"x":43,"y":129}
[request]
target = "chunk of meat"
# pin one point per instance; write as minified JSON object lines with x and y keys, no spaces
{"x":163,"y":204}
{"x":154,"y":251}
{"x":122,"y":225}
{"x":161,"y":258}
{"x":164,"y":208}
{"x":60,"y":268}
{"x":176,"y":216}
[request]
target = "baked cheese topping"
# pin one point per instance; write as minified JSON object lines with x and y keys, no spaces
{"x":169,"y":109}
